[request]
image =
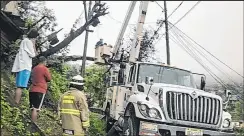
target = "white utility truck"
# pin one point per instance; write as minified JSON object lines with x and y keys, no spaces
{"x":157,"y":99}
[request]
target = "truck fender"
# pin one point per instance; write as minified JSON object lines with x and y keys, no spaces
{"x":136,"y":110}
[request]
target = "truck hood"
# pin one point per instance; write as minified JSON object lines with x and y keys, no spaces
{"x":176,"y":88}
{"x":162,"y":91}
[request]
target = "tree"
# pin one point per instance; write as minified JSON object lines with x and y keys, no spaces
{"x":30,"y":12}
{"x":37,"y":15}
{"x":94,"y":84}
{"x":147,"y":49}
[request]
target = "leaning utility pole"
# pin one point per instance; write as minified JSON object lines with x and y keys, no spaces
{"x":87,"y":17}
{"x":166,"y":34}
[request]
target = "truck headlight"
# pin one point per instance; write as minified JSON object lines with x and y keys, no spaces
{"x":143,"y":107}
{"x":226,"y":123}
{"x":149,"y":112}
{"x":153,"y":113}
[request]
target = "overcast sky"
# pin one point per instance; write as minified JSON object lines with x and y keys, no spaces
{"x":217,"y":26}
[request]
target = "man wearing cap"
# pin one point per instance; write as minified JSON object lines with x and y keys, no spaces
{"x":38,"y":89}
{"x":99,"y":43}
{"x":73,"y":109}
{"x":23,"y":62}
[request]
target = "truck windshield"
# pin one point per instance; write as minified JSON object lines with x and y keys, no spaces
{"x":164,"y":74}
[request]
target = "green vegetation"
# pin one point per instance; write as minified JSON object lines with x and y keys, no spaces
{"x":97,"y":126}
{"x":13,"y":120}
{"x":94,"y":84}
{"x":59,"y":83}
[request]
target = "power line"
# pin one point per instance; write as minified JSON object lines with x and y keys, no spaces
{"x":175,"y":9}
{"x":186,"y":14}
{"x":155,"y":33}
{"x":179,"y":19}
{"x":195,"y":57}
{"x":207,"y":51}
{"x":204,"y":56}
{"x":128,"y":24}
{"x":195,"y":41}
{"x":159,"y":5}
{"x":160,"y":25}
{"x":191,"y":53}
{"x":209,"y":60}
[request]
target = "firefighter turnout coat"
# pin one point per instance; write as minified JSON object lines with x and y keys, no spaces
{"x":74,"y":112}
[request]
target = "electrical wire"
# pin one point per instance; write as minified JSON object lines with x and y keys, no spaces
{"x":207,"y":51}
{"x":159,"y":5}
{"x":184,"y":47}
{"x":199,"y":60}
{"x":179,"y":20}
{"x":212,"y":74}
{"x":128,"y":24}
{"x":196,"y":57}
{"x":204,"y":56}
{"x":160,"y":25}
{"x":159,"y":28}
{"x":186,"y":14}
{"x":175,"y":9}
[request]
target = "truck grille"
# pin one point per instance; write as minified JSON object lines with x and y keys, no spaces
{"x":181,"y":106}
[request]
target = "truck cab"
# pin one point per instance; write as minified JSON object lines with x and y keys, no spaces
{"x":157,"y":99}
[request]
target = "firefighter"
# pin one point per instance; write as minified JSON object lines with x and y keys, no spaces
{"x":73,"y":109}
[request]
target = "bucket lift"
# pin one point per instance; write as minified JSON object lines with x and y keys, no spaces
{"x":104,"y":52}
{"x":101,"y":52}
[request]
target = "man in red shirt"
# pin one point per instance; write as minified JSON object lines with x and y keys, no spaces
{"x":38,"y":89}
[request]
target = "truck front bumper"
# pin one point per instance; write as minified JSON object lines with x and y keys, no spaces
{"x":170,"y":130}
{"x":178,"y":130}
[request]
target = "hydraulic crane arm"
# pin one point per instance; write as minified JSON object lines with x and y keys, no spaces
{"x":124,"y":25}
{"x":134,"y":53}
{"x":136,"y":44}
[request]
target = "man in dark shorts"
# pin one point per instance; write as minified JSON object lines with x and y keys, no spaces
{"x":40,"y":77}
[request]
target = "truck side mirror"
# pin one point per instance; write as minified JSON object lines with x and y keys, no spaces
{"x":203,"y":83}
{"x":149,"y":80}
{"x":227,"y":93}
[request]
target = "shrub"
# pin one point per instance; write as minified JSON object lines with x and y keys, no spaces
{"x":97,"y":126}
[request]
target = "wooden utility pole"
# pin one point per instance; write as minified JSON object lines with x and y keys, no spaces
{"x":166,"y":33}
{"x":87,"y":17}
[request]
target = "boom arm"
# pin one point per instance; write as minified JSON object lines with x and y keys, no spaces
{"x":124,"y":25}
{"x":134,"y":52}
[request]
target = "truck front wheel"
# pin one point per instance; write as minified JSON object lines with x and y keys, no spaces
{"x":131,"y":126}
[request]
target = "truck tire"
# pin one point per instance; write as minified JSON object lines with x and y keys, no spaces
{"x":133,"y":123}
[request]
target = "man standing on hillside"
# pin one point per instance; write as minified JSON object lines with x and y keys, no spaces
{"x":23,"y":62}
{"x":40,"y":77}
